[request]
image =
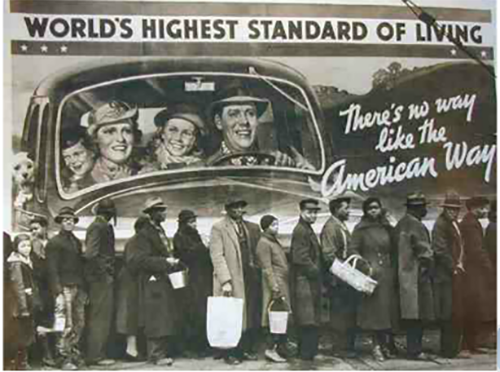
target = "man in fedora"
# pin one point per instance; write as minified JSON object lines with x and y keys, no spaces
{"x":307,"y":279}
{"x":236,"y":113}
{"x":447,"y":245}
{"x":232,"y":249}
{"x":479,"y":276}
{"x":100,"y":274}
{"x":66,"y":264}
{"x":341,"y":300}
{"x":151,"y":256}
{"x":415,"y":260}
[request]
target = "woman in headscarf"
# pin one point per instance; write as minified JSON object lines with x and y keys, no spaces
{"x":177,"y":141}
{"x":372,"y":240}
{"x":190,"y":249}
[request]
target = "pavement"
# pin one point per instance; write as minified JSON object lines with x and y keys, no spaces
{"x":326,"y":361}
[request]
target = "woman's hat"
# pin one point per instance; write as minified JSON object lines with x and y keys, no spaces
{"x":452,"y":200}
{"x":415,"y":199}
{"x":186,"y":112}
{"x":186,"y":215}
{"x":235,"y":93}
{"x":111,"y":113}
{"x":154,"y":202}
{"x":66,"y":212}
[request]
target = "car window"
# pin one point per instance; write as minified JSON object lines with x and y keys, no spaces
{"x":119,"y":130}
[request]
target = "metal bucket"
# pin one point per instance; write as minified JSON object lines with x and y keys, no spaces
{"x":179,"y":279}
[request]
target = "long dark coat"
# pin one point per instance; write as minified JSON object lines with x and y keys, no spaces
{"x":271,"y":258}
{"x":478,"y":271}
{"x":128,"y":299}
{"x":306,"y":275}
{"x":448,"y":287}
{"x":225,"y":253}
{"x":99,"y":251}
{"x":157,"y":299}
{"x":341,"y":298}
{"x":45,"y":316}
{"x":189,"y":248}
{"x":372,"y":240}
{"x":414,"y":256}
{"x":490,"y":244}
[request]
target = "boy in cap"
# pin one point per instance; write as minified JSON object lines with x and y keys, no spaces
{"x":65,"y":262}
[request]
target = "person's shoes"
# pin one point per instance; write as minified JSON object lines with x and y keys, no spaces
{"x":232,"y":361}
{"x":377,"y":354}
{"x":421,"y":356}
{"x":464,"y":354}
{"x":69,"y":366}
{"x":389,"y":352}
{"x":273,"y":356}
{"x":164,"y":362}
{"x":131,"y":358}
{"x":249,"y":356}
{"x":105,"y":362}
{"x":49,"y":362}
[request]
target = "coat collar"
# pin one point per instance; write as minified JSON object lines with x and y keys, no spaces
{"x":18,"y":257}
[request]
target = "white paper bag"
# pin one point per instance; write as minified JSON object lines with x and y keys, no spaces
{"x":224,"y":321}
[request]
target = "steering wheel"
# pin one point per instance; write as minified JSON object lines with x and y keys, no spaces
{"x":271,"y":159}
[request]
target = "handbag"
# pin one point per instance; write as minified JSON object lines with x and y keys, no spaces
{"x":352,"y":276}
{"x":224,"y":321}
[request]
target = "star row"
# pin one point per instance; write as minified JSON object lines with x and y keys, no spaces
{"x":44,"y":48}
{"x":454,"y":52}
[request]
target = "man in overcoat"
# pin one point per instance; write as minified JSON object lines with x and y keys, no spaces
{"x":479,"y":276}
{"x":66,"y":263}
{"x":232,"y":249}
{"x":307,"y":279}
{"x":100,"y":277}
{"x":449,"y":271}
{"x":151,"y":258}
{"x":415,"y":259}
{"x":335,"y":238}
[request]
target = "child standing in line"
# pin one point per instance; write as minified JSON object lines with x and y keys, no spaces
{"x":20,"y":270}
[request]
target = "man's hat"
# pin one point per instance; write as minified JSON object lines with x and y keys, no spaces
{"x":267,"y":221}
{"x":235,"y":93}
{"x":414,"y":199}
{"x":154,"y":202}
{"x":181,"y":111}
{"x":476,"y":201}
{"x":111,"y":113}
{"x":186,"y":215}
{"x":66,"y":212}
{"x":452,"y":200}
{"x":39,"y":218}
{"x":104,"y":206}
{"x":235,"y":202}
{"x":311,"y":204}
{"x":337,"y":200}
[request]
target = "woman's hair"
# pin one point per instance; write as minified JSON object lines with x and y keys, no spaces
{"x":18,"y":239}
{"x":370,"y":200}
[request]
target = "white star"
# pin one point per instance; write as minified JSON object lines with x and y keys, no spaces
{"x":453,"y":52}
{"x":44,"y":48}
{"x":64,"y":49}
{"x":24,"y":48}
{"x":484,"y":54}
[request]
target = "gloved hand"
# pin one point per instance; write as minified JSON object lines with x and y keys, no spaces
{"x":227,"y":289}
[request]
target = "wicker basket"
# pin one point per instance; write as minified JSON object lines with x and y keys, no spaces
{"x":352,"y":276}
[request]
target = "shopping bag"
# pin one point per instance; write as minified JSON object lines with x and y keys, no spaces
{"x":352,"y":276}
{"x":224,"y":321}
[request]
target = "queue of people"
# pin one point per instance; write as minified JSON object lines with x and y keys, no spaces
{"x":443,"y":276}
{"x":108,"y":148}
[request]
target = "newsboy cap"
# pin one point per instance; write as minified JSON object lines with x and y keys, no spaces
{"x":415,"y":199}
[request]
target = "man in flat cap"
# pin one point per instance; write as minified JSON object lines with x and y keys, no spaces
{"x":335,"y":238}
{"x":151,"y":256}
{"x":100,"y":275}
{"x":415,"y":261}
{"x":447,"y":245}
{"x":66,"y":263}
{"x":232,"y":249}
{"x":479,"y":276}
{"x":236,"y":113}
{"x":307,"y":279}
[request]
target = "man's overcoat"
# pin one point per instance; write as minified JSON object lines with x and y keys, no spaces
{"x":415,"y":259}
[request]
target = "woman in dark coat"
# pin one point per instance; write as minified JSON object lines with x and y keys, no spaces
{"x":127,"y":318}
{"x":372,"y":240}
{"x":189,"y":248}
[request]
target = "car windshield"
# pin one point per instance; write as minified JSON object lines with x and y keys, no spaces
{"x":145,"y":126}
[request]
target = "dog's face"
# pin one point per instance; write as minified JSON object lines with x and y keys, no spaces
{"x":23,"y":169}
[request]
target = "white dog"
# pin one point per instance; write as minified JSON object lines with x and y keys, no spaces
{"x":23,"y":174}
